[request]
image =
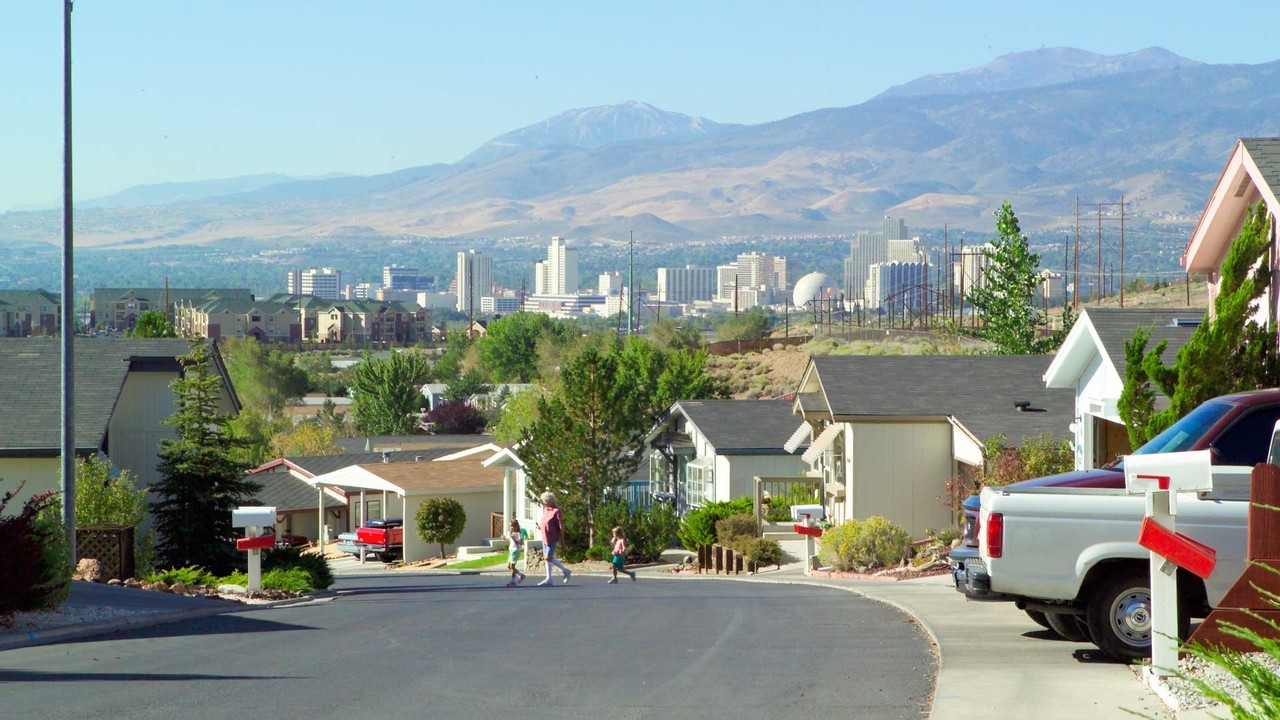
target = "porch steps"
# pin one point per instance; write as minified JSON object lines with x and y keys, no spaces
{"x":782,"y":532}
{"x":495,"y":545}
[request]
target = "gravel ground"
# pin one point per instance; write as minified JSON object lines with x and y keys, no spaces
{"x":1189,"y":699}
{"x":28,"y":621}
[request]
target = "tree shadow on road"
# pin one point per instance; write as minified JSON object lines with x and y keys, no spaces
{"x":14,"y":676}
{"x":225,"y":624}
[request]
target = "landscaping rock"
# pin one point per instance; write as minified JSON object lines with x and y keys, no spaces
{"x":178,"y":588}
{"x":236,"y":590}
{"x":133,"y":583}
{"x":115,"y":581}
{"x":90,"y":570}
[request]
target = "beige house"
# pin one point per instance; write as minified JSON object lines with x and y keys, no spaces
{"x":401,"y":488}
{"x":29,"y":312}
{"x":886,"y":433}
{"x":122,"y":398}
{"x":263,"y":320}
{"x":1252,"y":174}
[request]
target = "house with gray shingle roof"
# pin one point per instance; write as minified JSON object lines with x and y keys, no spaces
{"x":122,"y":398}
{"x":1091,"y":364}
{"x":1252,"y":174}
{"x":712,"y":450}
{"x":886,"y":433}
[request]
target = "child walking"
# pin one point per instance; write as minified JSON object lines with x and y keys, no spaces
{"x":515,"y":549}
{"x":620,"y":557}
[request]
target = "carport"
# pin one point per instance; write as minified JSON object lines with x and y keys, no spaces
{"x":461,"y":476}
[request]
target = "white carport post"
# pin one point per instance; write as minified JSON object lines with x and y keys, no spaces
{"x":363,"y":519}
{"x":320,"y":538}
{"x":508,"y":498}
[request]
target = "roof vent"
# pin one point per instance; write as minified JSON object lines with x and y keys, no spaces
{"x":386,"y":456}
{"x":1185,"y":322}
{"x":417,"y":458}
{"x":1022,"y":405}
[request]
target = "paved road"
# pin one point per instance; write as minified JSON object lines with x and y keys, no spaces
{"x":465,"y":647}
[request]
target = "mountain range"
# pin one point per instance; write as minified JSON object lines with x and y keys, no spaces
{"x":1036,"y":128}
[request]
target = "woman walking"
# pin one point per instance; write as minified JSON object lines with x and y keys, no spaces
{"x":552,"y":533}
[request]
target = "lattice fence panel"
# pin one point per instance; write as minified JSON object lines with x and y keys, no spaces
{"x":110,"y":545}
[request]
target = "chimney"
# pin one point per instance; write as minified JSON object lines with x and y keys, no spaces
{"x":386,"y":456}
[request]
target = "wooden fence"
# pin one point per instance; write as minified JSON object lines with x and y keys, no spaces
{"x":716,"y":558}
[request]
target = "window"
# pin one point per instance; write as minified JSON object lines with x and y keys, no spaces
{"x":699,"y":483}
{"x":255,"y":318}
{"x":1245,"y":443}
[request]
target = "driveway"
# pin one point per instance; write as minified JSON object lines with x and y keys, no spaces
{"x":466,"y":647}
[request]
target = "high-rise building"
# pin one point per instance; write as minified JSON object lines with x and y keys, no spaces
{"x":321,"y":282}
{"x":895,"y":228}
{"x":971,"y":271}
{"x":757,"y":269}
{"x":906,"y":250}
{"x":400,"y":277}
{"x":866,"y":249}
{"x":609,"y":282}
{"x":558,"y":274}
{"x":726,"y":281}
{"x":474,"y":278}
{"x":896,"y":285}
{"x":687,"y":284}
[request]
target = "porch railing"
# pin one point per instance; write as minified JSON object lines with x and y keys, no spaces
{"x":776,"y":495}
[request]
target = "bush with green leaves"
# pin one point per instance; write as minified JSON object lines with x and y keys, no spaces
{"x":440,"y":520}
{"x":699,"y":526}
{"x":315,"y":566}
{"x":36,"y":572}
{"x":293,"y":579}
{"x":863,"y":544}
{"x":191,"y":576}
{"x":762,"y":551}
{"x":648,"y":531}
{"x":734,"y":527}
{"x":105,"y":500}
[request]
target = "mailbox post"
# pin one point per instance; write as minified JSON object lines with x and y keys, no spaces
{"x":1160,"y":477}
{"x":254,"y":519}
{"x":806,"y":527}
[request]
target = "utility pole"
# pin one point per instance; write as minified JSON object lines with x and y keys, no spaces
{"x":471,"y":294}
{"x":1101,"y":287}
{"x":1075,"y":283}
{"x":1122,"y":251}
{"x":68,"y":301}
{"x":631,"y":284}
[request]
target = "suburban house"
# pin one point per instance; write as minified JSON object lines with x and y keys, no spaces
{"x":712,"y":450}
{"x":122,"y":398}
{"x":886,"y":433}
{"x":1091,"y":363}
{"x":119,"y":308}
{"x":1252,"y":174}
{"x":29,"y":312}
{"x":434,"y":393}
{"x":401,"y":488}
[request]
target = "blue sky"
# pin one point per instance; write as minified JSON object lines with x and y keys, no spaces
{"x":173,"y":90}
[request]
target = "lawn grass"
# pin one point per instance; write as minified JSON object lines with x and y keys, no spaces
{"x":480,"y":562}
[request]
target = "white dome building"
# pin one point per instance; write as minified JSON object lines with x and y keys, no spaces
{"x":813,"y":285}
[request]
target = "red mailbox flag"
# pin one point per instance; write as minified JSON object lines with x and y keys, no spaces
{"x":1177,"y":548}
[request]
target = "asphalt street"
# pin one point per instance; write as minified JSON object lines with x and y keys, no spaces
{"x":466,"y":647}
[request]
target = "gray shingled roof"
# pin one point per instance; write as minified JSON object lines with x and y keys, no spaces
{"x":321,"y":464}
{"x":1265,"y":153}
{"x":31,"y":390}
{"x":742,"y":426}
{"x":1115,"y":327}
{"x":978,"y":390}
{"x":286,"y":492}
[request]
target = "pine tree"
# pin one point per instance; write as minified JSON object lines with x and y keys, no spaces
{"x":387,"y":393}
{"x":200,"y":481}
{"x":1230,"y":353}
{"x":1006,"y":299}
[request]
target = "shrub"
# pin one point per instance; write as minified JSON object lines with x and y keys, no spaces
{"x":734,"y":527}
{"x":288,"y":579}
{"x":315,"y":566}
{"x":653,"y":531}
{"x":762,"y":551}
{"x":864,"y":544}
{"x":191,"y":576}
{"x":36,"y":573}
{"x":105,"y":500}
{"x":441,"y":520}
{"x":699,"y":526}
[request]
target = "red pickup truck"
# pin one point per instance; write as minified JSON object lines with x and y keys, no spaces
{"x":383,"y":537}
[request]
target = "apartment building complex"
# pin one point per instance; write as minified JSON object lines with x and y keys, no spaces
{"x":687,"y":284}
{"x":29,"y":312}
{"x":119,"y":308}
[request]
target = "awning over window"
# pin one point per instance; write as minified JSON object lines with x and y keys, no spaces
{"x":797,"y":438}
{"x":823,"y":442}
{"x":965,"y":447}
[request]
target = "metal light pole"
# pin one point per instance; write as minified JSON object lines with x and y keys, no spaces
{"x":68,"y":300}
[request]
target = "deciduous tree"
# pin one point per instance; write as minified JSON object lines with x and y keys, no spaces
{"x":1006,"y":299}
{"x":152,"y":324}
{"x":441,"y":520}
{"x":509,"y":348}
{"x":387,"y":393}
{"x":265,"y":379}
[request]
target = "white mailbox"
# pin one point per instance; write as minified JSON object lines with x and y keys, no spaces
{"x":253,"y":516}
{"x":813,"y":511}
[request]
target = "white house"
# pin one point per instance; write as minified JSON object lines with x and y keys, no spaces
{"x":1091,"y":364}
{"x":1252,"y":174}
{"x":888,"y":432}
{"x":712,"y":450}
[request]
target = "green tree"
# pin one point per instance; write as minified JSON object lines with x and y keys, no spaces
{"x":200,"y":479}
{"x":152,"y":324}
{"x":102,"y":499}
{"x":1006,"y":300}
{"x":252,"y":431}
{"x":1229,"y":353}
{"x":509,"y":348}
{"x":466,"y":385}
{"x":307,"y":438}
{"x":265,"y":380}
{"x":518,"y":415}
{"x":441,"y":520}
{"x":449,"y":365}
{"x":666,"y":333}
{"x":753,"y":324}
{"x":387,"y":393}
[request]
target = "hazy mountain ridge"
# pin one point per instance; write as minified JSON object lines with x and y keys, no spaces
{"x":1158,"y":136}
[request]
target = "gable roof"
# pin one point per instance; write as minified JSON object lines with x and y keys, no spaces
{"x":283,"y":491}
{"x":313,"y":465}
{"x":741,"y":426}
{"x":977,"y":390}
{"x":1252,"y":173}
{"x":32,"y":388}
{"x":417,"y":478}
{"x":1115,"y":327}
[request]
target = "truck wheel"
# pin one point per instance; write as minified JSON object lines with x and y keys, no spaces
{"x":1119,"y":616}
{"x":1068,"y":626}
{"x":1038,"y":618}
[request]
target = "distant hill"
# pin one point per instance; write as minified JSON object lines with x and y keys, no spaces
{"x":596,"y":126}
{"x":1037,"y":68}
{"x":172,"y":192}
{"x":1037,"y":129}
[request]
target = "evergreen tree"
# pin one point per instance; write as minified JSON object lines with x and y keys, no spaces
{"x":200,"y":480}
{"x":1006,"y":299}
{"x":1230,"y":353}
{"x":387,"y":393}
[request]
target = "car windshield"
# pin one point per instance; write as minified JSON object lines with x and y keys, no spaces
{"x":1184,"y":434}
